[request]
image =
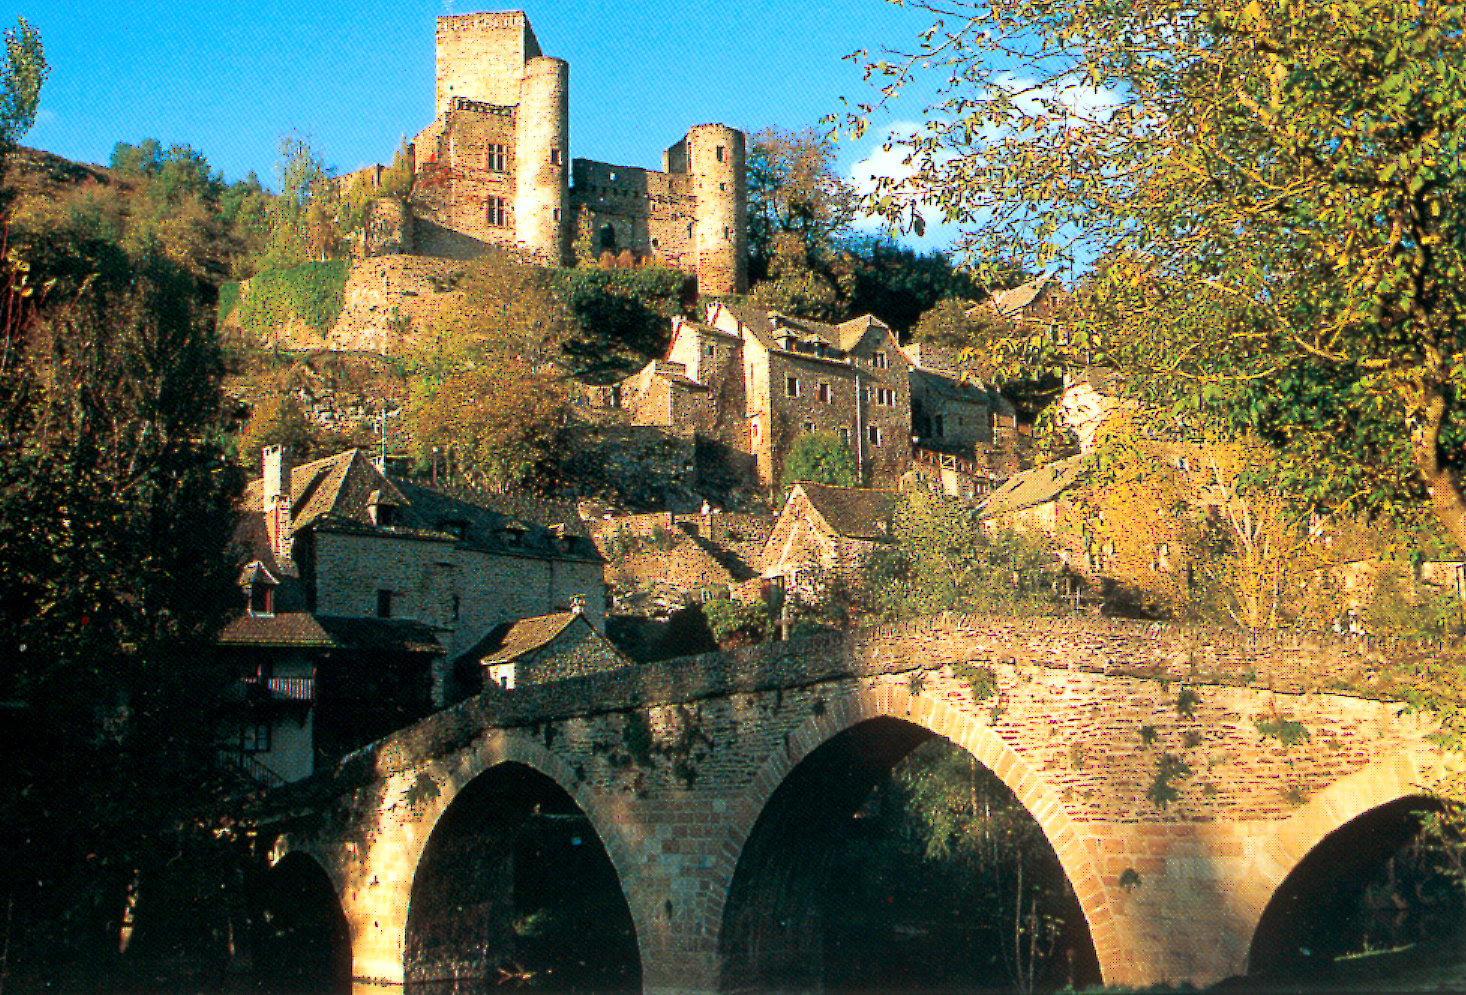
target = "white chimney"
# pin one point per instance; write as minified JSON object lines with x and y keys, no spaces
{"x":276,"y":499}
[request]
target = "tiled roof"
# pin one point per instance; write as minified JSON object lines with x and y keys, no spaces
{"x":853,"y":512}
{"x":1032,"y":487}
{"x":287,"y":629}
{"x":501,"y":523}
{"x":304,"y":630}
{"x":338,"y":486}
{"x":514,"y":639}
{"x":1006,"y":303}
{"x":393,"y":635}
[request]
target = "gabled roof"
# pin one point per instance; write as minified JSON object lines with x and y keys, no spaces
{"x":1032,"y":487}
{"x":771,"y":326}
{"x":515,"y":640}
{"x":1007,"y":303}
{"x":852,"y":512}
{"x":339,"y":486}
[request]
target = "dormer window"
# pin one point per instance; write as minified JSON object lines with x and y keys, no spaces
{"x":261,"y":599}
{"x":260,"y":588}
{"x":381,"y":509}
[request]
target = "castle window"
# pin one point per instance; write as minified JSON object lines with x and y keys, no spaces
{"x":556,"y":159}
{"x":721,"y":154}
{"x":457,"y":610}
{"x":384,"y":604}
{"x":557,"y":214}
{"x":939,"y":426}
{"x":874,"y":434}
{"x":722,"y":186}
{"x":613,"y":177}
{"x":496,"y":212}
{"x":656,"y":243}
{"x":608,"y":237}
{"x":824,"y":393}
{"x":710,"y":350}
{"x":886,"y":396}
{"x":727,"y":233}
{"x":791,"y":386}
{"x":494,"y":159}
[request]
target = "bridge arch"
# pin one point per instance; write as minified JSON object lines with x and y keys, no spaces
{"x":302,"y":940}
{"x":1336,"y":835}
{"x":935,"y":717}
{"x":404,"y":849}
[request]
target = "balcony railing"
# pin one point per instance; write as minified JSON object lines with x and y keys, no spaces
{"x":288,"y":688}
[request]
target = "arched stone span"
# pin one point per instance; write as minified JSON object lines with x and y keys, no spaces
{"x":1291,"y":842}
{"x":985,"y":746}
{"x":380,"y":917}
{"x":302,"y":940}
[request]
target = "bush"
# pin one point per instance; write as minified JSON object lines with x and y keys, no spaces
{"x":312,"y":292}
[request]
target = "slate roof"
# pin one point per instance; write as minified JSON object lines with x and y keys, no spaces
{"x":1006,"y":303}
{"x":771,"y":326}
{"x":306,"y":631}
{"x":513,"y":640}
{"x":336,"y":492}
{"x":853,"y":512}
{"x":1032,"y":487}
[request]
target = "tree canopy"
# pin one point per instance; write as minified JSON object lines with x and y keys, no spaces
{"x":821,"y":458}
{"x":1276,"y":196}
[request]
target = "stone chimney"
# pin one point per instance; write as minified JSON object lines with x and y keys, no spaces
{"x":275,"y":499}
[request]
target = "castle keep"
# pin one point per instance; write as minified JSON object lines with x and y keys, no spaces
{"x":493,"y":169}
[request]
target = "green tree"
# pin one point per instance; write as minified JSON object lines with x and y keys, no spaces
{"x":941,"y":558}
{"x":821,"y":458}
{"x":793,"y":189}
{"x":1278,"y":197}
{"x":501,"y":427}
{"x":21,"y":78}
{"x":116,"y":511}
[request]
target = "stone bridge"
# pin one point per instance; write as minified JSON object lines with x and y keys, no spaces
{"x":676,"y":769}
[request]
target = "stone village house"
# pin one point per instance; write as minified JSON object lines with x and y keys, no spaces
{"x":362,"y":591}
{"x":755,"y":380}
{"x":821,"y":539}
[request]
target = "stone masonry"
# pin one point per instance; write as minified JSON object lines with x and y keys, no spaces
{"x":1081,"y":715}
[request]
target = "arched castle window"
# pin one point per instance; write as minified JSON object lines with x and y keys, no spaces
{"x":608,"y":236}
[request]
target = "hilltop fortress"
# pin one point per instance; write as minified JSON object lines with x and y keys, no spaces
{"x":493,"y":169}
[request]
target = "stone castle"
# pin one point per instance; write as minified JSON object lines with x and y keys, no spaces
{"x":493,"y":169}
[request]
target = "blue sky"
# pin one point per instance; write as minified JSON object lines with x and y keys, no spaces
{"x":229,"y":78}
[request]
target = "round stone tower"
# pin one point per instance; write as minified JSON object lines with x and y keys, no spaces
{"x":720,"y":236}
{"x":542,"y":159}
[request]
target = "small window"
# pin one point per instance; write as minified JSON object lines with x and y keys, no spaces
{"x":556,"y":159}
{"x":457,"y":610}
{"x":939,"y":426}
{"x":494,"y":159}
{"x":261,"y":599}
{"x":874,"y":433}
{"x":710,"y":351}
{"x":878,"y":361}
{"x":558,"y":214}
{"x":722,"y":154}
{"x":824,"y":393}
{"x":722,"y":186}
{"x":809,"y":426}
{"x":496,"y":214}
{"x":656,"y":243}
{"x":384,"y":604}
{"x":613,"y":177}
{"x":727,"y":234}
{"x":845,"y":437}
{"x":791,"y":386}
